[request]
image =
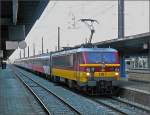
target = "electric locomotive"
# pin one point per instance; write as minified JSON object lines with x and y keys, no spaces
{"x":90,"y":69}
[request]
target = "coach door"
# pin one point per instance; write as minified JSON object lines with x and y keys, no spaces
{"x":77,"y":67}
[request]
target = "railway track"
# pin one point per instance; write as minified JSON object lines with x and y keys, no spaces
{"x":121,"y":106}
{"x":137,"y":106}
{"x":113,"y":105}
{"x":51,"y":103}
{"x":86,"y":108}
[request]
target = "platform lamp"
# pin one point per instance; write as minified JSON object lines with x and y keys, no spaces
{"x":24,"y":54}
{"x":46,"y":50}
{"x":33,"y":49}
{"x":42,"y":46}
{"x":22,"y":45}
{"x":28,"y":51}
{"x":20,"y":54}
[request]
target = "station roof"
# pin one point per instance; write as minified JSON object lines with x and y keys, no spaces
{"x":19,"y":15}
{"x":130,"y":45}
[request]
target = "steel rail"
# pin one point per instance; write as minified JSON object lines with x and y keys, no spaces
{"x":123,"y":111}
{"x":109,"y":106}
{"x":58,"y":97}
{"x":131,"y":104}
{"x":39,"y":100}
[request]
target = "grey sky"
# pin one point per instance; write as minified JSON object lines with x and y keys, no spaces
{"x":66,"y":14}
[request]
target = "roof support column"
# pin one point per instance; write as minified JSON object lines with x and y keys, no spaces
{"x":122,"y":66}
{"x":149,"y":55}
{"x":15,"y":11}
{"x":120,"y":18}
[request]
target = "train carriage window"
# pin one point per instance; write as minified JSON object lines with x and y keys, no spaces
{"x":64,"y":60}
{"x":96,"y":57}
{"x":39,"y":62}
{"x":35,"y":61}
{"x":45,"y":62}
{"x":32,"y":61}
{"x":28,"y":61}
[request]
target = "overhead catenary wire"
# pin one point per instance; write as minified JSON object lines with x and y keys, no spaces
{"x":100,"y":13}
{"x":103,"y":11}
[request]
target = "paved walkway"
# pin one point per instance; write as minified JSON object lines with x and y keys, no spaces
{"x":135,"y":85}
{"x":15,"y":99}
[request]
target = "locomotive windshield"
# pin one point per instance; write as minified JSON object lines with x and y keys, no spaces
{"x":101,"y":57}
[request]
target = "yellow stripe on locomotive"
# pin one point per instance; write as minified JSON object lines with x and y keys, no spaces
{"x":83,"y":76}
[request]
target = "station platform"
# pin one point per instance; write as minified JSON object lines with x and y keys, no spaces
{"x":139,"y":75}
{"x":135,"y":85}
{"x":15,"y":99}
{"x":135,"y":91}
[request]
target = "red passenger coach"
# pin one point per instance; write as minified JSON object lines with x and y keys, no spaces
{"x":39,"y":64}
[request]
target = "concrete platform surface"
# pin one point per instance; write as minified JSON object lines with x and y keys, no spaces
{"x":15,"y":99}
{"x":139,"y":75}
{"x":135,"y":85}
{"x":136,"y":92}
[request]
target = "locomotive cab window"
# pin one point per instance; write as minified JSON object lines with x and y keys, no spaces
{"x":99,"y":57}
{"x":63,"y":60}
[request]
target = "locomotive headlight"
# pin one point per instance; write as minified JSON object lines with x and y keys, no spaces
{"x":116,"y":73}
{"x":88,"y":74}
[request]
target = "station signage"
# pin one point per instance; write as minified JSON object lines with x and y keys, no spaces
{"x":22,"y":44}
{"x":11,"y":45}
